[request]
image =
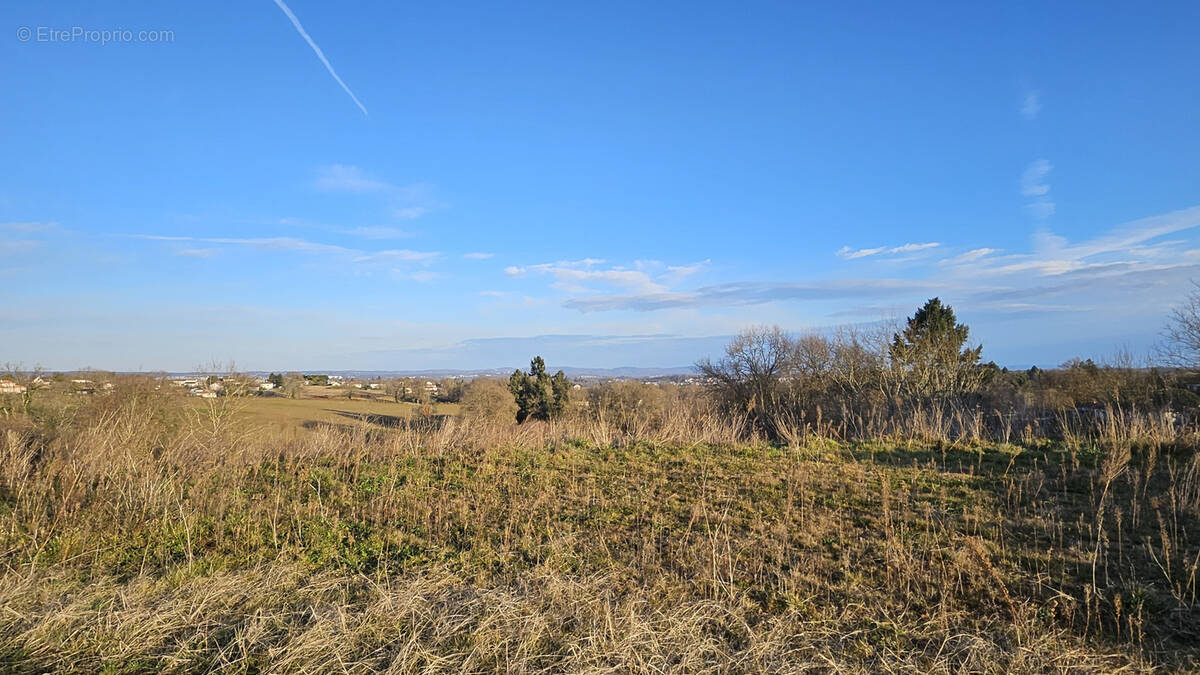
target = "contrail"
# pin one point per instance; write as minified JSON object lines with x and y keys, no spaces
{"x":320,"y":54}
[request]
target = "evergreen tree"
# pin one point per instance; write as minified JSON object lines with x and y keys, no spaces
{"x":931,"y":353}
{"x":538,"y":395}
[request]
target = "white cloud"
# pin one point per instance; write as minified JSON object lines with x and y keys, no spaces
{"x":478,"y":256}
{"x":688,"y":270}
{"x":854,"y":254}
{"x":1041,"y":209}
{"x":1033,"y":181}
{"x":320,"y":55}
{"x":29,"y":227}
{"x":349,"y":178}
{"x":910,"y":248}
{"x":404,"y":202}
{"x":1123,"y":237}
{"x":1033,"y":184}
{"x":362,"y":231}
{"x":575,"y":278}
{"x":1031,"y":106}
{"x":753,"y":293}
{"x":292,"y":244}
{"x":18,"y":246}
{"x":851,"y":254}
{"x":576,"y":275}
{"x":970,"y":256}
{"x":419,"y":276}
{"x":1057,"y":274}
{"x":197,"y":252}
{"x":377,"y":232}
{"x":402,"y":255}
{"x":410,"y":212}
{"x":590,"y":275}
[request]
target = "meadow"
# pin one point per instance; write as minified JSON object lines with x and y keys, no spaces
{"x":142,"y":531}
{"x":320,"y":406}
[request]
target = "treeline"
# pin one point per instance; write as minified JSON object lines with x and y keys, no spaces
{"x":923,"y":378}
{"x":865,"y":382}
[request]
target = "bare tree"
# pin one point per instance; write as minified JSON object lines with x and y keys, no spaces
{"x":293,"y":384}
{"x":1181,"y":336}
{"x":751,"y":375}
{"x":24,"y":382}
{"x":859,"y":362}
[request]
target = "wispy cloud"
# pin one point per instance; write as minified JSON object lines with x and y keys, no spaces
{"x":264,"y":243}
{"x":478,"y":256}
{"x":1041,"y":209}
{"x":584,"y":276}
{"x":18,"y":246}
{"x":574,"y":275}
{"x":349,"y":178}
{"x":419,"y":276}
{"x":400,"y":255}
{"x":377,"y":232}
{"x":405,"y":202}
{"x":320,"y":55}
{"x":969,"y":256}
{"x":854,"y":254}
{"x":1033,"y":184}
{"x":681,"y":271}
{"x":1122,"y":268}
{"x":1031,"y":106}
{"x":362,"y":231}
{"x":197,"y":252}
{"x":409,"y":212}
{"x":30,"y":227}
{"x":1033,"y":181}
{"x":752,"y":293}
{"x":293,"y":244}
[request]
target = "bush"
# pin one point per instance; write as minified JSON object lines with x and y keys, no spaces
{"x":630,"y":406}
{"x":485,"y":399}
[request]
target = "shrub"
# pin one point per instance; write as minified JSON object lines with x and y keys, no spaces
{"x":630,"y":406}
{"x":485,"y":399}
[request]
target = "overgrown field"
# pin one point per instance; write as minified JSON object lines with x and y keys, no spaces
{"x":137,"y":535}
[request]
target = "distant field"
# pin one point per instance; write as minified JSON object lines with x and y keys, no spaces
{"x":330,"y":406}
{"x":314,"y":407}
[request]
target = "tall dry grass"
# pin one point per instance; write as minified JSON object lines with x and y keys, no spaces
{"x":138,"y":535}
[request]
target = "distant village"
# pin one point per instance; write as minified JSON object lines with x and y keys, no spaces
{"x":209,"y":386}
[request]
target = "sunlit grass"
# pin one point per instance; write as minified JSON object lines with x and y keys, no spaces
{"x":140,"y":532}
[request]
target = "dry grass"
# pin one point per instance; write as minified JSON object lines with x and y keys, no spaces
{"x":324,"y":407}
{"x":138,"y":537}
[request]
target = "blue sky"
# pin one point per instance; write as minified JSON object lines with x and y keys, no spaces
{"x":607,"y":184}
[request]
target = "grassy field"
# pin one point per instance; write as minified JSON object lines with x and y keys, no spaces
{"x":319,"y":406}
{"x":137,"y":536}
